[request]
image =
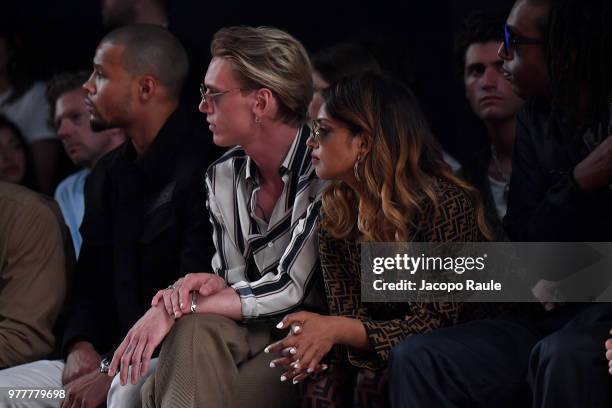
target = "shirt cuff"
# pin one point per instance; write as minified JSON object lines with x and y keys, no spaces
{"x":248,"y":301}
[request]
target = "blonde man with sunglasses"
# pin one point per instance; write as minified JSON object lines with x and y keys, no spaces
{"x":255,"y":97}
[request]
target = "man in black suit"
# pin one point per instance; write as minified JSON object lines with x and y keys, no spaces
{"x":145,"y":223}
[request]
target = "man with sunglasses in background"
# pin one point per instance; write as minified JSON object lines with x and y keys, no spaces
{"x":558,"y":57}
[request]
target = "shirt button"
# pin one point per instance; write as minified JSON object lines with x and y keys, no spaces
{"x":270,"y":244}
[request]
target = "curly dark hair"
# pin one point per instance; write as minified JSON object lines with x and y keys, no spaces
{"x":478,"y":27}
{"x":578,"y":46}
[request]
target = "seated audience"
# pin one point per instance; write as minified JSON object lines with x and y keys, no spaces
{"x":23,"y":101}
{"x":16,"y":163}
{"x":85,"y":147}
{"x":35,"y":255}
{"x":141,"y":204}
{"x":117,"y":14}
{"x":329,"y":65}
{"x":491,"y":98}
{"x":255,"y":96}
{"x":560,"y":191}
{"x":390,"y":185}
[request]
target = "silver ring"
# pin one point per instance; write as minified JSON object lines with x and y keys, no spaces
{"x":194,"y":301}
{"x":172,"y":287}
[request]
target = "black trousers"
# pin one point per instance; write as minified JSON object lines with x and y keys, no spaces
{"x":555,"y":362}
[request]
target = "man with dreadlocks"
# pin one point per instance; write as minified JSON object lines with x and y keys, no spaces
{"x":558,"y":56}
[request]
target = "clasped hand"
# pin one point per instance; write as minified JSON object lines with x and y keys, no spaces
{"x":310,"y":338}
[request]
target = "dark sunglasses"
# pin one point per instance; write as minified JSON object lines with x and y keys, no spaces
{"x":511,"y":40}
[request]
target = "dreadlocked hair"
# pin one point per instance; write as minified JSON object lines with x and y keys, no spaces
{"x":579,"y":57}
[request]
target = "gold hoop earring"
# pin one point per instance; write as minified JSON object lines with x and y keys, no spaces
{"x":356,"y":169}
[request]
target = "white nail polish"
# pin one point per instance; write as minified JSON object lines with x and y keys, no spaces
{"x":279,"y":325}
{"x":295,"y":381}
{"x":310,"y":370}
{"x":272,"y":365}
{"x":297,"y":329}
{"x":182,"y":305}
{"x":324,"y":367}
{"x":267,"y":350}
{"x":283,"y":378}
{"x":292,"y":350}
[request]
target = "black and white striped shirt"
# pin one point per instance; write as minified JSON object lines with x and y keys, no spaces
{"x":270,"y":265}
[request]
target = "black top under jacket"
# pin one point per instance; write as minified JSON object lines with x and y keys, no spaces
{"x":145,"y":225}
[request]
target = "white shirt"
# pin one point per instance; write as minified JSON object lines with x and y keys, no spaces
{"x":30,"y":112}
{"x":498,"y":190}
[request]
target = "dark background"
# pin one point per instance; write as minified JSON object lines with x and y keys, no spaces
{"x":413,"y":40}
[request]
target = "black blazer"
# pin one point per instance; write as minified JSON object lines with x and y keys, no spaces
{"x":145,"y":225}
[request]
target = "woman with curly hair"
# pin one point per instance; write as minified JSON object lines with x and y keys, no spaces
{"x":390,"y":184}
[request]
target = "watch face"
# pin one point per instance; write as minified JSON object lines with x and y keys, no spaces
{"x":104,"y":365}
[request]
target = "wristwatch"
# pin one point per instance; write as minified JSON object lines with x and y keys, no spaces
{"x":105,"y":365}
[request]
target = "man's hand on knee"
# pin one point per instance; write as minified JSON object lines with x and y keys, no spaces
{"x":88,"y":391}
{"x":82,"y":359}
{"x":137,"y":348}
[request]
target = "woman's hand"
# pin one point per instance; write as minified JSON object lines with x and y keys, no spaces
{"x":288,"y":364}
{"x":311,"y":337}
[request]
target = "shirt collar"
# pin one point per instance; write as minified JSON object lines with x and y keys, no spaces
{"x":292,"y":161}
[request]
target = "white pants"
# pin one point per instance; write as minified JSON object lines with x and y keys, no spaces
{"x":48,"y":374}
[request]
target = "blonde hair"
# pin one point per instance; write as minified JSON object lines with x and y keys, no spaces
{"x":399,"y":175}
{"x":266,"y":57}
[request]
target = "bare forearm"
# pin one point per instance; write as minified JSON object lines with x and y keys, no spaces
{"x":225,"y":303}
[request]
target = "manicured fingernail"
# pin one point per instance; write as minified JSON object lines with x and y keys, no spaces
{"x":182,"y":305}
{"x":272,"y":365}
{"x":295,"y":365}
{"x":267,"y":350}
{"x":324,"y":367}
{"x":279,"y":325}
{"x":295,"y":381}
{"x":292,"y":350}
{"x":297,"y":329}
{"x":283,"y":378}
{"x":310,"y":370}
